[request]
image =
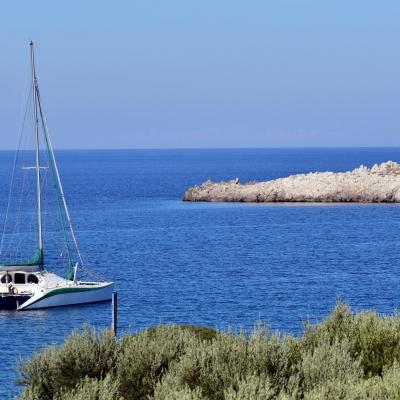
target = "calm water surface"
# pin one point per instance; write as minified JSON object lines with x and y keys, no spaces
{"x":211,"y":264}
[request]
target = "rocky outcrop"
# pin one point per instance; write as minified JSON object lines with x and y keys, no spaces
{"x":379,"y":184}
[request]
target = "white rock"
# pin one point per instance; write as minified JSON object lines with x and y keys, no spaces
{"x":379,"y":184}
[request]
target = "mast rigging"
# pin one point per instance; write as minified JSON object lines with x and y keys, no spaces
{"x":37,"y":139}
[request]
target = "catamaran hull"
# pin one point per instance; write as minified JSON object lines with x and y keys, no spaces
{"x":69,"y":296}
{"x":12,"y":302}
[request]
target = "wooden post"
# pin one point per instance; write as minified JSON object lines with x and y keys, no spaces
{"x":114,"y":326}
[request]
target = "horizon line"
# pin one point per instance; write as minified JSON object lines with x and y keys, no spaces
{"x":211,"y":148}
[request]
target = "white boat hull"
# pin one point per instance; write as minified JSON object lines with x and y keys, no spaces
{"x":65,"y":296}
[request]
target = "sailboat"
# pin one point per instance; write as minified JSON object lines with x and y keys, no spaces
{"x":29,"y":284}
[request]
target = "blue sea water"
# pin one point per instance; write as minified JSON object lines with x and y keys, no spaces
{"x":206,"y":263}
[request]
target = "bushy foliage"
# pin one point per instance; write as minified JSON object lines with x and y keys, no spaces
{"x":93,"y":389}
{"x":347,"y":356}
{"x":56,"y":369}
{"x":145,"y":358}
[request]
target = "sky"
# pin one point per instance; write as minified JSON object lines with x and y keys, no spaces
{"x":204,"y":74}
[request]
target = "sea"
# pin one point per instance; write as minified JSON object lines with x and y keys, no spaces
{"x":214,"y":264}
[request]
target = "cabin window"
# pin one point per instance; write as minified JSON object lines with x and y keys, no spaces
{"x":7,"y":278}
{"x":33,"y":279}
{"x":19,"y":278}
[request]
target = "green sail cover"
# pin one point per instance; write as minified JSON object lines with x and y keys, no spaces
{"x":36,"y":259}
{"x":69,"y":276}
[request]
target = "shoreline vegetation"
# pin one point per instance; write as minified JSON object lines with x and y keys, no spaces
{"x":379,"y":184}
{"x":346,"y":356}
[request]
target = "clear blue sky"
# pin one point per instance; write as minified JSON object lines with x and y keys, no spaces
{"x":206,"y":73}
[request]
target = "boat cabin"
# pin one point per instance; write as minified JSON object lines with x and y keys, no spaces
{"x":18,"y":278}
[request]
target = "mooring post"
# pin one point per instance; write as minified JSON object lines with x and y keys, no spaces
{"x":114,"y":310}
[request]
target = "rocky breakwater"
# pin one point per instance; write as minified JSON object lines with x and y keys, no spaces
{"x":379,"y":184}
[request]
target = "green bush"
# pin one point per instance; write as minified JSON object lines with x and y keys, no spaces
{"x":200,"y":332}
{"x":251,"y":387}
{"x":373,"y":340}
{"x":56,"y":369}
{"x":145,"y":358}
{"x":170,"y":388}
{"x":212,"y":366}
{"x":347,"y":356}
{"x":93,"y":389}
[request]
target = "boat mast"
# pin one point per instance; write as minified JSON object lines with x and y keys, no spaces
{"x":36,"y":132}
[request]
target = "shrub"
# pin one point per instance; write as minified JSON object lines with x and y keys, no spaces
{"x":329,"y":363}
{"x":200,"y":332}
{"x":346,"y":356}
{"x":145,"y":358}
{"x":93,"y":389}
{"x":170,"y":388}
{"x":376,"y":341}
{"x":276,"y":357}
{"x":377,"y":388}
{"x":57,"y":369}
{"x":251,"y":387}
{"x":212,"y":366}
{"x":372,"y":339}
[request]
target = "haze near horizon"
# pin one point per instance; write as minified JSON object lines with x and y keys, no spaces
{"x":205,"y":74}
